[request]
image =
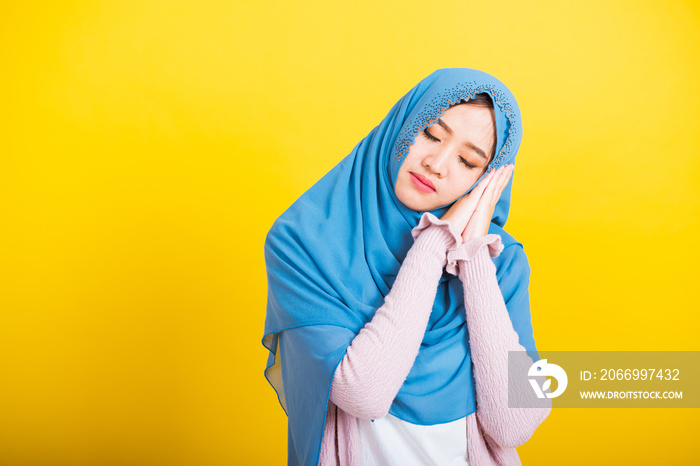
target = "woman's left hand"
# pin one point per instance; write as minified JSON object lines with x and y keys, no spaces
{"x":481,"y":218}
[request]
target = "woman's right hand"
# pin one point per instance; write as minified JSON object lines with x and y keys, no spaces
{"x":462,"y":210}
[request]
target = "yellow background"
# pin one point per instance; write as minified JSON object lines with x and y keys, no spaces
{"x":147,"y":147}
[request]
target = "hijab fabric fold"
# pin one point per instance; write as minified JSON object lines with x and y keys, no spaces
{"x":334,"y":254}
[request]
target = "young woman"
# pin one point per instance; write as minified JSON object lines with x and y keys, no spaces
{"x":395,"y":294}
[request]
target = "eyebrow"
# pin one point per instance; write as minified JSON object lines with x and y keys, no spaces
{"x":476,"y":149}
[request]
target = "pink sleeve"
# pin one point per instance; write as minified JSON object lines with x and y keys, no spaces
{"x":491,"y":336}
{"x":380,"y":357}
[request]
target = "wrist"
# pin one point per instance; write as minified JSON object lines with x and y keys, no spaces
{"x":455,"y":221}
{"x":477,"y":267}
{"x":433,"y":243}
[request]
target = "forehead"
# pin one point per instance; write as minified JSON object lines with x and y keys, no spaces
{"x":467,"y":118}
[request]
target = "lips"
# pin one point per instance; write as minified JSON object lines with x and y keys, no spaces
{"x":423,"y":180}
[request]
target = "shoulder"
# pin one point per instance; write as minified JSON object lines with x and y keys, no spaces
{"x":291,"y":229}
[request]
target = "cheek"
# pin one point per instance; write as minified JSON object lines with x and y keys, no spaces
{"x":465,"y":183}
{"x":408,"y":160}
{"x":472,"y":179}
{"x":416,"y":151}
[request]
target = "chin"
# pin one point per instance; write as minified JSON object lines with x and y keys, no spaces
{"x":416,"y":205}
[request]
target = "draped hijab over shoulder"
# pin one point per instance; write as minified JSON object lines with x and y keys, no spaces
{"x":334,"y":254}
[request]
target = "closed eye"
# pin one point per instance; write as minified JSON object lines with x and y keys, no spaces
{"x":430,"y":136}
{"x":469,"y":165}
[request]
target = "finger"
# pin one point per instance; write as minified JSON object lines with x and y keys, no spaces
{"x":491,"y":189}
{"x":485,"y":207}
{"x":479,"y":189}
{"x":475,"y":194}
{"x":481,"y":219}
{"x":479,"y":222}
{"x":501,"y":183}
{"x":506,"y":178}
{"x":465,"y":207}
{"x":461,"y":211}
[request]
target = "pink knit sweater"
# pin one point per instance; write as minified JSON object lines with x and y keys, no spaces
{"x":381,"y":355}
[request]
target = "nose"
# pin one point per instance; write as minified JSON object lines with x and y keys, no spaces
{"x":437,"y":161}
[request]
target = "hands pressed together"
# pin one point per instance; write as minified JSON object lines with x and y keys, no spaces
{"x":471,"y":214}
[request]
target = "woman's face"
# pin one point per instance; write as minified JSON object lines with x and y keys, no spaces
{"x":448,"y":157}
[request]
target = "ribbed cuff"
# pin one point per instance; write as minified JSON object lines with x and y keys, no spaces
{"x":491,"y":245}
{"x":428,"y":219}
{"x":435,"y":237}
{"x":479,"y":266}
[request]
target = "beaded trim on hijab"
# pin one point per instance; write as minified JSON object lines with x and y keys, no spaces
{"x":441,"y":102}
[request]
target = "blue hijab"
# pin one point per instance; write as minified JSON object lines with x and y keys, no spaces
{"x":334,"y":254}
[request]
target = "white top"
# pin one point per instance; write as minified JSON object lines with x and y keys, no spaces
{"x":389,"y":441}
